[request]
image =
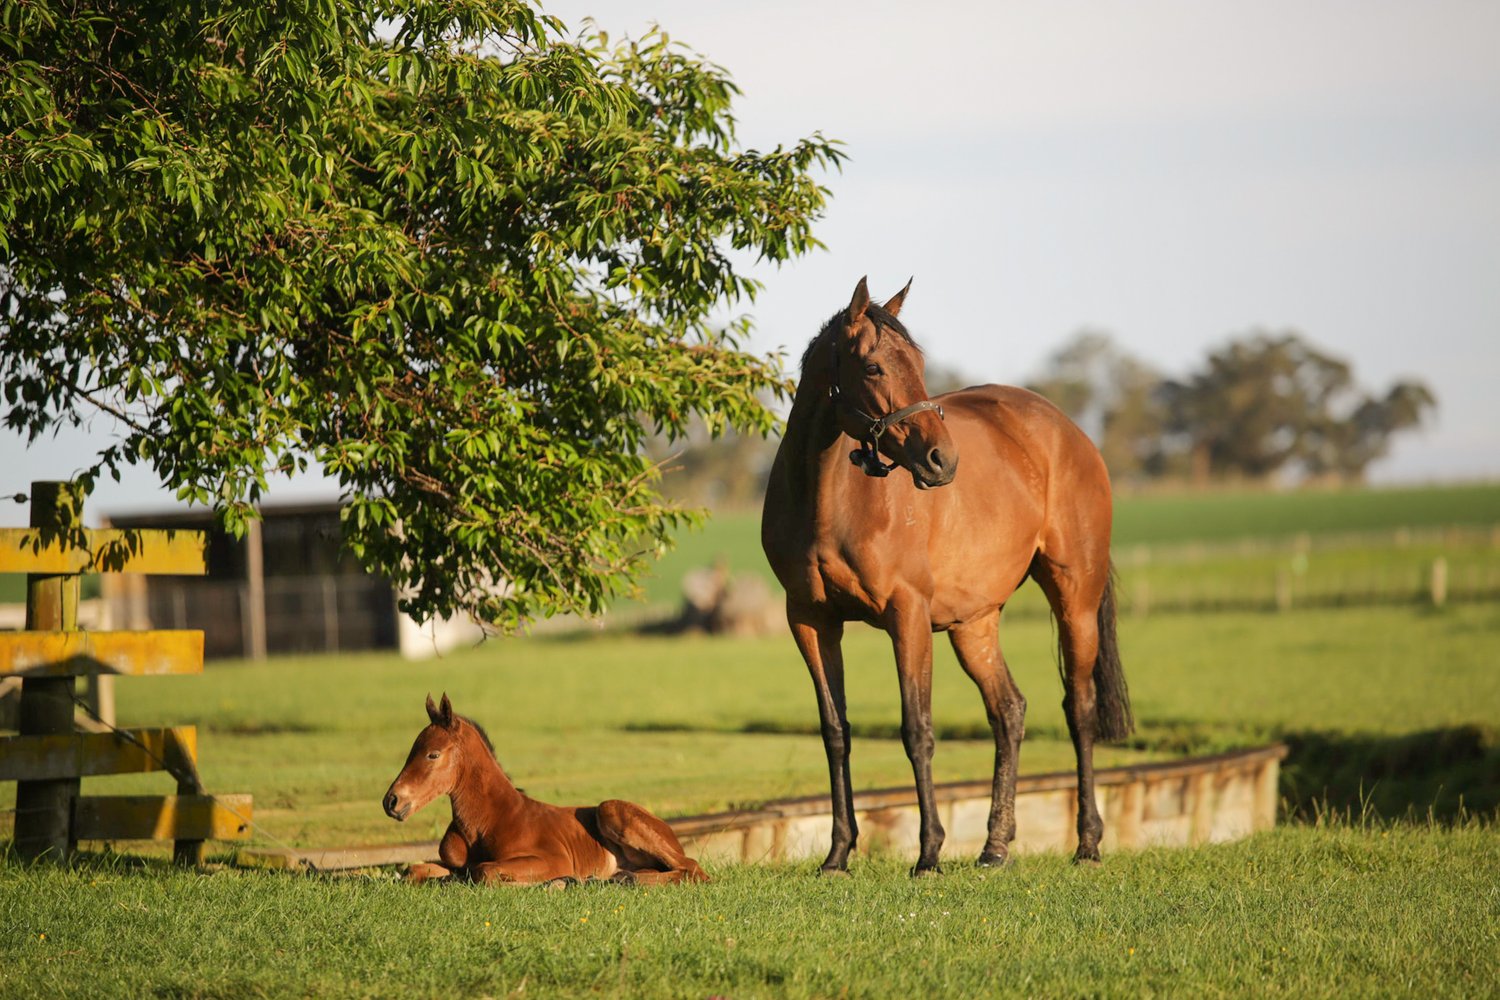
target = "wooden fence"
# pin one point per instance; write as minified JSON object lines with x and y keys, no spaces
{"x":48,"y":758}
{"x":1407,"y":566}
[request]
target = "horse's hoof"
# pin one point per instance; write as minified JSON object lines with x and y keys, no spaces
{"x":926,"y":871}
{"x":989,"y":860}
{"x":834,"y":873}
{"x":1086,"y":859}
{"x":560,"y":883}
{"x":623,"y":877}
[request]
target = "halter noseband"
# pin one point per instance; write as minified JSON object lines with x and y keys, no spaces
{"x":867,"y":456}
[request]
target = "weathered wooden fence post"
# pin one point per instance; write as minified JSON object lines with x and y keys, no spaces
{"x":1283,"y":590}
{"x":48,"y":757}
{"x":44,"y":809}
{"x":1439,"y":582}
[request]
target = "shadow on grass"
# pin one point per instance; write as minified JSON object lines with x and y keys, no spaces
{"x":1441,"y":774}
{"x":1171,"y":736}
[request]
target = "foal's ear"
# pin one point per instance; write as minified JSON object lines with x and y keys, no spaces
{"x":859,"y":303}
{"x":894,"y":305}
{"x":441,"y":715}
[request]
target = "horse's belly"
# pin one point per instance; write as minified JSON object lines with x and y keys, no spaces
{"x":957,"y":594}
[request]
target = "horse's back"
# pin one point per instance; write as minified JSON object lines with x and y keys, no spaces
{"x":1022,"y":424}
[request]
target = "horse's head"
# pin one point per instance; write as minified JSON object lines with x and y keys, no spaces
{"x":433,"y":766}
{"x":881,"y":394}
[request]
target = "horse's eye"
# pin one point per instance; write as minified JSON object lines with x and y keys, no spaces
{"x":434,"y":755}
{"x":872,"y":369}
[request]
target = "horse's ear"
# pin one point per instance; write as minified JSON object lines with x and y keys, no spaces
{"x":432,"y":712}
{"x":446,"y":711}
{"x":894,"y":305}
{"x":859,"y":303}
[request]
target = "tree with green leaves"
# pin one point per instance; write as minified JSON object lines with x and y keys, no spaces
{"x":459,"y":260}
{"x":1267,"y":402}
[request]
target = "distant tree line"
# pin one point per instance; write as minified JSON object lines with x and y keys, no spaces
{"x":1262,"y":407}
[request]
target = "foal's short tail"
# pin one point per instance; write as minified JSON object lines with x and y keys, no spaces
{"x":1113,"y":720}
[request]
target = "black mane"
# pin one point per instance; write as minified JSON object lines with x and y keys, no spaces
{"x":876,"y":314}
{"x":490,"y":744}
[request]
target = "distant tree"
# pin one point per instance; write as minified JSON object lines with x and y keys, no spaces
{"x":463,"y":264}
{"x":1270,"y":402}
{"x":1343,"y":449}
{"x":1113,"y":396}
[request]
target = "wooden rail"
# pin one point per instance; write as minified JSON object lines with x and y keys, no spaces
{"x":48,"y":758}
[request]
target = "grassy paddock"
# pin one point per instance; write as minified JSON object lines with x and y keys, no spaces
{"x":693,"y":725}
{"x":1351,"y":910}
{"x":1392,"y":707}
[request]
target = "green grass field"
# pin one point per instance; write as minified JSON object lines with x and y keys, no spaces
{"x":696,"y":724}
{"x":1382,"y":879}
{"x":1351,"y":910}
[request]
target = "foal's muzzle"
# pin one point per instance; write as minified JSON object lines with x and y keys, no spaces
{"x":394,"y":808}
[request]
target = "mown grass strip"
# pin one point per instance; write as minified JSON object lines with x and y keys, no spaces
{"x":1342,"y":910}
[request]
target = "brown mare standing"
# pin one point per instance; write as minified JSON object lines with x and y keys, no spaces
{"x":500,"y":836}
{"x":848,"y":544}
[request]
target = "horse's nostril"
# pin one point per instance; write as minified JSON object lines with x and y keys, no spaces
{"x":390,"y":802}
{"x":935,"y":458}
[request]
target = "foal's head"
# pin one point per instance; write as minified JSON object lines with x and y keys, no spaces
{"x":877,"y":371}
{"x":437,"y":760}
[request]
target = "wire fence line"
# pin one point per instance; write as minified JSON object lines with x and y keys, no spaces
{"x":1434,"y":585}
{"x":1455,"y":536}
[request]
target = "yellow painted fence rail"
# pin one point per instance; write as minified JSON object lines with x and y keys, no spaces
{"x":47,"y":758}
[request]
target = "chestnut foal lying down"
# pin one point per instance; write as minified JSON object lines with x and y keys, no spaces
{"x":500,"y":836}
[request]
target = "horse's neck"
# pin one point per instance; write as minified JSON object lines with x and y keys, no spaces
{"x":813,"y":441}
{"x":484,"y":794}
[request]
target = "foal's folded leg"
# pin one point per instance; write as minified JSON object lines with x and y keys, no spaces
{"x":521,"y":871}
{"x":646,"y":845}
{"x":426,"y":872}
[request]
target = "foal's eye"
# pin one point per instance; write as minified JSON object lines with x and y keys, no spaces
{"x":872,"y":369}
{"x":434,"y":755}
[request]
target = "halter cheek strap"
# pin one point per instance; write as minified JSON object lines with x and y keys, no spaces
{"x":867,"y":455}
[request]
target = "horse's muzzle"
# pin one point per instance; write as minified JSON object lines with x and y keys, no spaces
{"x":935,"y":469}
{"x":394,"y":807}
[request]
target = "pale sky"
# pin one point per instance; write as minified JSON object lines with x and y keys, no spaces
{"x":1172,"y":172}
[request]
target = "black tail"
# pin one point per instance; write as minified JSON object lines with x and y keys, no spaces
{"x":1113,"y":720}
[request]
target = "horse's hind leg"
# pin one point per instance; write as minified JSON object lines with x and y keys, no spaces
{"x":1075,"y":597}
{"x":647,"y":847}
{"x":977,"y":645}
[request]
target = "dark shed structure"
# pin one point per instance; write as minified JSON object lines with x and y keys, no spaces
{"x":286,"y":587}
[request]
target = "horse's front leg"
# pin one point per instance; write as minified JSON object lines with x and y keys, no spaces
{"x":818,"y":640}
{"x":977,"y":645}
{"x":910,"y":628}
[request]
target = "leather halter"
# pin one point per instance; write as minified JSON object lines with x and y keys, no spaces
{"x":867,"y":456}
